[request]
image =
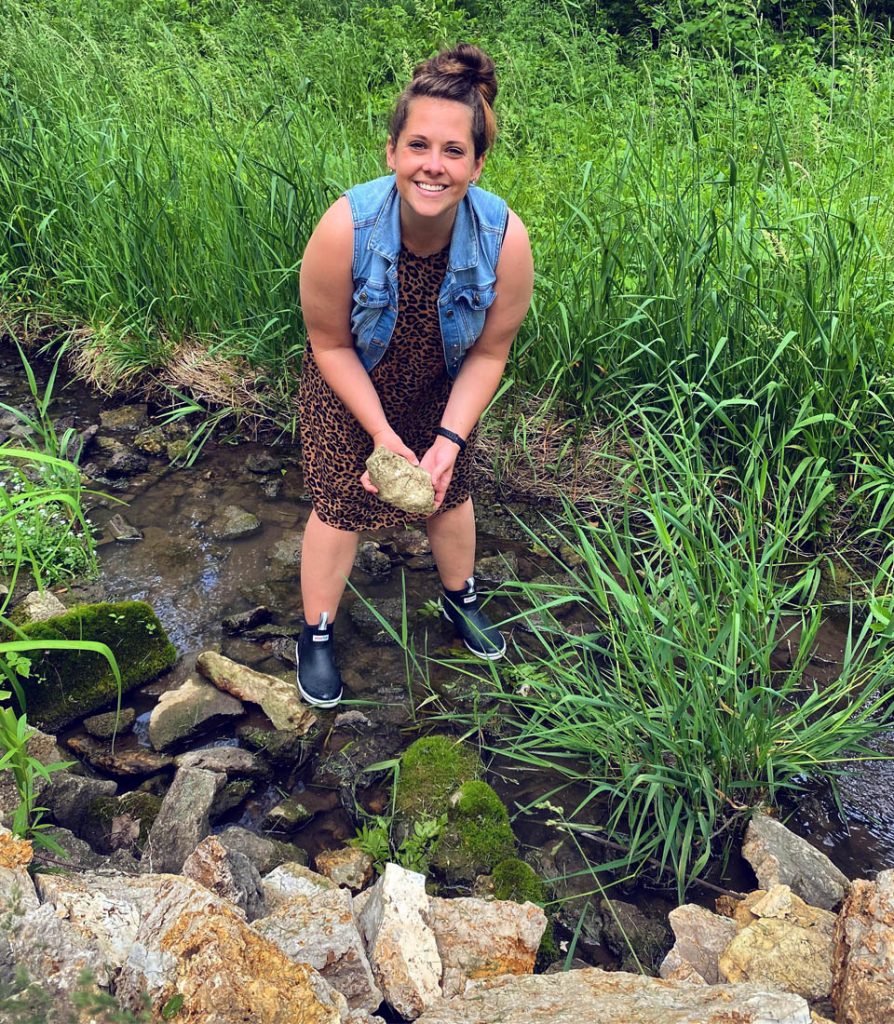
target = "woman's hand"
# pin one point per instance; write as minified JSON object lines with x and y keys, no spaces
{"x":388,"y":439}
{"x":439,"y":461}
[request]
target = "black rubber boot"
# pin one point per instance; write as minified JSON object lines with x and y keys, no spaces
{"x":473,"y":627}
{"x":319,"y":681}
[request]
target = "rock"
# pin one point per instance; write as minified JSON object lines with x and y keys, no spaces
{"x":701,"y":937}
{"x":177,"y":449}
{"x":477,"y":835}
{"x":372,"y":619}
{"x":348,"y":867}
{"x":37,"y":607}
{"x":123,"y":531}
{"x":497,"y":568}
{"x":789,"y":947}
{"x":286,"y":554}
{"x":66,"y":685}
{"x":779,"y":857}
{"x":271,"y":486}
{"x":372,"y":560}
{"x":14,"y":851}
{"x":69,"y":796}
{"x":132,"y":761}
{"x":232,"y":795}
{"x":593,"y":996}
{"x":675,"y":967}
{"x":400,"y":942}
{"x":151,"y":441}
{"x":863,"y":991}
{"x":43,"y":748}
{"x":183,"y":820}
{"x":122,"y":461}
{"x":190,"y":709}
{"x":293,"y":879}
{"x":229,"y":760}
{"x":410,"y":542}
{"x":286,"y":816}
{"x":484,"y":939}
{"x":109,"y":724}
{"x":17,"y":893}
{"x":401,"y":484}
{"x":119,"y":822}
{"x":284,"y":748}
{"x":125,"y":417}
{"x":278,"y":699}
{"x":242,"y":621}
{"x":79,"y":856}
{"x":319,"y":929}
{"x":228,"y":874}
{"x":262,"y":462}
{"x":266,"y":854}
{"x":233,"y":523}
{"x":640,"y":941}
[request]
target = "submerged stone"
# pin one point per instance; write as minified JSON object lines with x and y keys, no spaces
{"x":407,"y":487}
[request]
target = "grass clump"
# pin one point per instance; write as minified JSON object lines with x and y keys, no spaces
{"x":477,"y":836}
{"x":64,"y":685}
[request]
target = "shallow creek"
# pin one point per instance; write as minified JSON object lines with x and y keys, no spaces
{"x":194,"y":580}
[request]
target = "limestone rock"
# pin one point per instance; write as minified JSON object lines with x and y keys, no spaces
{"x":183,"y":820}
{"x":318,"y":928}
{"x":123,"y":531}
{"x":17,"y":893}
{"x":228,"y":874}
{"x":348,"y":866}
{"x":484,"y":939}
{"x":779,"y":857}
{"x":789,"y":947}
{"x":190,"y":944}
{"x":233,"y":523}
{"x":863,"y":991}
{"x":128,"y":761}
{"x":277,"y":698}
{"x":14,"y":852}
{"x":406,"y":487}
{"x":286,"y":816}
{"x":593,"y":996}
{"x":401,"y":945}
{"x":187,"y":710}
{"x":675,"y":967}
{"x":37,"y":607}
{"x":54,"y":954}
{"x":265,"y":853}
{"x":228,"y":760}
{"x":110,"y":723}
{"x":701,"y":937}
{"x":290,"y":880}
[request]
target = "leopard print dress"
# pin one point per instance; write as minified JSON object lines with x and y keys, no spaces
{"x":413,"y":385}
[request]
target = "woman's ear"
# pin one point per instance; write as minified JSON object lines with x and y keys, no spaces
{"x":389,"y":155}
{"x":479,"y":167}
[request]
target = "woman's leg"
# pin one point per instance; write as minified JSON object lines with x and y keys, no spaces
{"x":452,"y":538}
{"x":327,"y":555}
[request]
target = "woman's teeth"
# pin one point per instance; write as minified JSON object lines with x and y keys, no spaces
{"x":430,"y":188}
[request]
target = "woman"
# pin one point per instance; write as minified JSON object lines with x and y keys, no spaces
{"x":413,"y":287}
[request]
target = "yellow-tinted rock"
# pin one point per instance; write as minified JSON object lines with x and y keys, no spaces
{"x":406,"y":487}
{"x":14,"y":852}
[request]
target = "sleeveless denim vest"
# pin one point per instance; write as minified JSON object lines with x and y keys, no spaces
{"x":468,"y":288}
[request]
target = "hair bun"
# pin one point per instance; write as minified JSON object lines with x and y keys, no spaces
{"x":467,"y":63}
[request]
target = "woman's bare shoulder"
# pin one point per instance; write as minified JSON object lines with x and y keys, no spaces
{"x":334,"y":234}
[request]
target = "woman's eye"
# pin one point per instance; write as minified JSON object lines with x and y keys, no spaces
{"x":417,"y":145}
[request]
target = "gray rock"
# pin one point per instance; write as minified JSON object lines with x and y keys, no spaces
{"x":228,"y":874}
{"x":863,"y":988}
{"x":593,"y":996}
{"x":183,"y":821}
{"x":229,"y":760}
{"x":125,"y":461}
{"x":497,"y":568}
{"x":80,"y":856}
{"x":125,"y":417}
{"x":266,"y":854}
{"x":233,"y":523}
{"x":285,"y":555}
{"x":262,"y":462}
{"x":69,"y":796}
{"x":286,"y":816}
{"x":242,"y":621}
{"x":151,"y":441}
{"x":400,"y":484}
{"x":190,"y":709}
{"x":372,"y":560}
{"x":42,"y":747}
{"x":367,"y":619}
{"x":290,"y":879}
{"x":284,"y":748}
{"x":123,"y":531}
{"x":639,"y":940}
{"x":779,"y":857}
{"x":701,"y":938}
{"x":38,"y":607}
{"x":109,"y":724}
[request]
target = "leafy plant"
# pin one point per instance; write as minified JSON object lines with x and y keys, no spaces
{"x":413,"y":852}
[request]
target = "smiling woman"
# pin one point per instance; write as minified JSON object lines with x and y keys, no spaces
{"x":413,"y":287}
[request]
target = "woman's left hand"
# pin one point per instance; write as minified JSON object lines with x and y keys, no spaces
{"x":439,"y":461}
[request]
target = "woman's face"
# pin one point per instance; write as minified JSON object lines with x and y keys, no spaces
{"x":434,"y":157}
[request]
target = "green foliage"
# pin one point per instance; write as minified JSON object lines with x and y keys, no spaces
{"x":413,"y":852}
{"x":478,"y":834}
{"x":431,"y":769}
{"x":23,"y":1002}
{"x":72,"y":677}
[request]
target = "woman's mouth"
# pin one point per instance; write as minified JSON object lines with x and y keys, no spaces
{"x":425,"y":186}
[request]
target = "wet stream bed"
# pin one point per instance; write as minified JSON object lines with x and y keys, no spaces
{"x":192,"y":570}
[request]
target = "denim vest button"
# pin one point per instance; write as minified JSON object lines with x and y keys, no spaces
{"x":363,"y":296}
{"x":449,"y":314}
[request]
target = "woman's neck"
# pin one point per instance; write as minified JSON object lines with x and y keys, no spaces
{"x":425,"y":237}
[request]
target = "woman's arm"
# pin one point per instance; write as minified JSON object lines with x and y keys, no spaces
{"x":482,"y":369}
{"x":327,"y":289}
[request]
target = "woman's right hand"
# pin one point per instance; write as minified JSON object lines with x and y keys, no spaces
{"x":390,"y":440}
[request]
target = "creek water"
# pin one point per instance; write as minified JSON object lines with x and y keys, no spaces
{"x":194,"y":579}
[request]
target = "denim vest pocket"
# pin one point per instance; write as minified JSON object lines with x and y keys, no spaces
{"x":369,"y":302}
{"x":472,"y":304}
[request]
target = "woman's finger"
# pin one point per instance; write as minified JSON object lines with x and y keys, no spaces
{"x":368,"y":485}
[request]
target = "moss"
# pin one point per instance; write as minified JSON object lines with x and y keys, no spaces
{"x":515,"y":880}
{"x":66,"y":685}
{"x":478,"y":834}
{"x":139,"y":806}
{"x":431,"y":769}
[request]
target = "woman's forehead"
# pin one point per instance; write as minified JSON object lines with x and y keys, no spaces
{"x":429,"y":115}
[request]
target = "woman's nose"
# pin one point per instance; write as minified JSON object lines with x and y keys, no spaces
{"x":434,"y":164}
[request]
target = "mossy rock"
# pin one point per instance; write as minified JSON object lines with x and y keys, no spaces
{"x":66,"y":685}
{"x":98,"y":827}
{"x":513,"y":879}
{"x":431,"y":769}
{"x":478,"y":835}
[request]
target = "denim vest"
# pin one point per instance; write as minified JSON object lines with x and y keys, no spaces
{"x":468,"y":288}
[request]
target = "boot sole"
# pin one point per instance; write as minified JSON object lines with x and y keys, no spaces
{"x":478,"y":654}
{"x":315,"y":701}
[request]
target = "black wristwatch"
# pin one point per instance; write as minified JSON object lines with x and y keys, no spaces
{"x":455,"y":438}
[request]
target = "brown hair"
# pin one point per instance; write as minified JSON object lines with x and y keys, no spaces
{"x":465,"y":74}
